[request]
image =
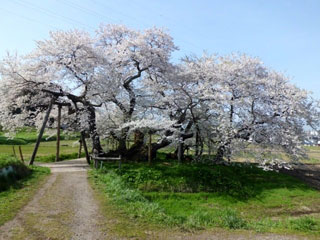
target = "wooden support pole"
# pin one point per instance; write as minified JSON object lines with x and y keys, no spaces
{"x":58,"y":133}
{"x":83,"y":139}
{"x":45,"y":120}
{"x":14,"y":151}
{"x":80,"y":148}
{"x":21,"y":155}
{"x":150,"y":149}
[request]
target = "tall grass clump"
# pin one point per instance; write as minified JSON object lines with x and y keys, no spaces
{"x":130,"y":200}
{"x":305,"y":224}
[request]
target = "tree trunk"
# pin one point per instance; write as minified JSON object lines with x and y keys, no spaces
{"x":96,"y":144}
{"x":197,"y":144}
{"x":138,"y":151}
{"x":122,"y":147}
{"x":220,"y":153}
{"x":180,"y":150}
{"x":150,"y":149}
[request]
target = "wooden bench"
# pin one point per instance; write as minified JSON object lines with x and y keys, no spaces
{"x":97,"y":159}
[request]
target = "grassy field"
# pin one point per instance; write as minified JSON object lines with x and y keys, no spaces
{"x":205,"y":197}
{"x":250,"y":155}
{"x":30,"y":135}
{"x":26,"y":138}
{"x":46,"y":152}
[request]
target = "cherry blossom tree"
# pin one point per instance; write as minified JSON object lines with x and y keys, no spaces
{"x":85,"y":73}
{"x":61,"y":69}
{"x":131,"y":60}
{"x":249,"y":103}
{"x":232,"y":102}
{"x":122,"y":81}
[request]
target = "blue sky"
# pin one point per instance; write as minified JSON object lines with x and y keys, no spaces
{"x":284,"y":34}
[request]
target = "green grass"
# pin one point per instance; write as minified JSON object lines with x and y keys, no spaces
{"x":20,"y":193}
{"x":204,"y":196}
{"x":7,"y":160}
{"x":29,"y":135}
{"x":62,"y":157}
{"x":46,"y":151}
{"x":26,"y":138}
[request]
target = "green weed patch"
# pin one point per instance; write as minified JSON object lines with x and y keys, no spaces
{"x":204,"y":196}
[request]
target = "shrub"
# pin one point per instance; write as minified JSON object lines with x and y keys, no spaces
{"x":131,"y":200}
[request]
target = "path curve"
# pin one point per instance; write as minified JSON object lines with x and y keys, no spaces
{"x":63,"y":208}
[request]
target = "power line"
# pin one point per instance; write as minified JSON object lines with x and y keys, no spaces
{"x":51,"y":13}
{"x":185,"y":28}
{"x":27,"y":18}
{"x":86,"y":10}
{"x":95,"y":14}
{"x":120,"y":13}
{"x":147,"y":25}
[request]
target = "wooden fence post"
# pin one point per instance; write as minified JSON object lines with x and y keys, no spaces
{"x":14,"y":151}
{"x":85,"y":147}
{"x":21,"y":155}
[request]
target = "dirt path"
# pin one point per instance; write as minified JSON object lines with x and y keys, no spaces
{"x":64,"y":208}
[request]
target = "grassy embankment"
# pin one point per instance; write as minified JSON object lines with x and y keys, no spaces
{"x":18,"y":183}
{"x":199,"y":196}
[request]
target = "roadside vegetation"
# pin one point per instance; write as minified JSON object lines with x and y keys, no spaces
{"x":200,"y":196}
{"x":18,"y":183}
